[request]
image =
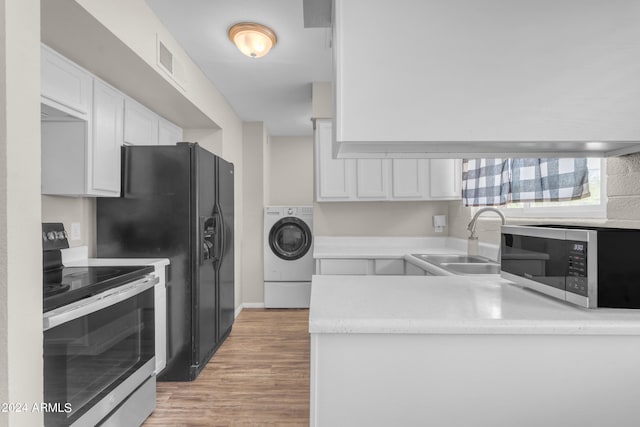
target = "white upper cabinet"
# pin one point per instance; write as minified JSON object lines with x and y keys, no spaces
{"x":82,"y":157}
{"x":168,"y":133}
{"x":334,"y":177}
{"x":372,"y":179}
{"x":381,"y":179}
{"x":84,"y":124}
{"x":144,"y":127}
{"x":409,"y":179}
{"x":140,"y":124}
{"x":445,"y":179}
{"x":64,"y":85}
{"x":107,"y":140}
{"x":454,"y":79}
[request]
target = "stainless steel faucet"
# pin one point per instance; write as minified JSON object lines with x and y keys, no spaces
{"x":472,"y":248}
{"x":472,"y":224}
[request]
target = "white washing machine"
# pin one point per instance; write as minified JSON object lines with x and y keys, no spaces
{"x":288,"y":256}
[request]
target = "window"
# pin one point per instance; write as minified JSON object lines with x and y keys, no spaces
{"x":537,"y":187}
{"x":593,"y":206}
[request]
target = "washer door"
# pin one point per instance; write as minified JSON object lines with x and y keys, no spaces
{"x":290,"y":238}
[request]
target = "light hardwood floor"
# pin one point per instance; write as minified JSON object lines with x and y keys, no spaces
{"x":258,"y":377}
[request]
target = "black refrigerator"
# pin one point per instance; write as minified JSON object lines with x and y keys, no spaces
{"x":177,"y":203}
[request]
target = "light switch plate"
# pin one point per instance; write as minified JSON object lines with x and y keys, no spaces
{"x":439,"y":223}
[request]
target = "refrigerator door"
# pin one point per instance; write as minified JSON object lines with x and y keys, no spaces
{"x":225,"y":265}
{"x":153,"y":220}
{"x":204,"y":295}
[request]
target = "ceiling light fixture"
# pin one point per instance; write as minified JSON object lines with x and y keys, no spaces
{"x":254,"y":40}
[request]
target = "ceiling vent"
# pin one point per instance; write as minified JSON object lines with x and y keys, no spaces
{"x":316,"y":13}
{"x":168,"y":62}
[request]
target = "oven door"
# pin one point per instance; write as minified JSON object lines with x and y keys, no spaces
{"x":97,"y":351}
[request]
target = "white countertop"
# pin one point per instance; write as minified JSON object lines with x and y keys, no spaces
{"x":327,"y":247}
{"x":78,"y":257}
{"x":451,"y":305}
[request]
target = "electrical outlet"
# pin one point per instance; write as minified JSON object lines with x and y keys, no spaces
{"x":75,"y":231}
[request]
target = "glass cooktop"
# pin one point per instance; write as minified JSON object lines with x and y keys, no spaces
{"x":70,"y":284}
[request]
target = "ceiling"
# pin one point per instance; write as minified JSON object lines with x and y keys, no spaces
{"x":275,"y":89}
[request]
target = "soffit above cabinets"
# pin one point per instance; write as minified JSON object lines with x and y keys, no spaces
{"x":455,"y":78}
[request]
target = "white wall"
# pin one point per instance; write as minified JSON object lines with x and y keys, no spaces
{"x":290,"y":175}
{"x":377,"y":218}
{"x":254,"y":142}
{"x":21,"y":370}
{"x":210,"y":139}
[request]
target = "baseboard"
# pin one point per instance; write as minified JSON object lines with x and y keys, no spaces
{"x":248,"y":305}
{"x":253,"y":305}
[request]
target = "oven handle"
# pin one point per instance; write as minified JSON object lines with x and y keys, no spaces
{"x":65,"y":314}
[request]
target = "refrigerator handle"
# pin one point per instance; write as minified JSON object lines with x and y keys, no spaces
{"x":221,"y":232}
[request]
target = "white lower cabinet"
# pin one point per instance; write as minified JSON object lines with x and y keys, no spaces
{"x":367,"y":267}
{"x":343,"y":266}
{"x":393,"y":267}
{"x":381,"y":179}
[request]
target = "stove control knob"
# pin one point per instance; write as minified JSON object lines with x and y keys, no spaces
{"x":290,"y":211}
{"x":51,"y":235}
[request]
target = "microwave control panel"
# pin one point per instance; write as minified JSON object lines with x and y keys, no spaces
{"x":577,"y":268}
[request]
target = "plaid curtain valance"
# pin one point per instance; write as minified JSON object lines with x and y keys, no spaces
{"x":491,"y":182}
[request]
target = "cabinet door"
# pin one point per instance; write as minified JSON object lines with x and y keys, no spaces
{"x":140,"y":124}
{"x":409,"y":179}
{"x":334,"y":177}
{"x":413,"y":270}
{"x":345,"y":266}
{"x":64,"y":83}
{"x":372,"y":179}
{"x":389,"y":267}
{"x":168,"y":133}
{"x":107,"y":139}
{"x":445,"y":179}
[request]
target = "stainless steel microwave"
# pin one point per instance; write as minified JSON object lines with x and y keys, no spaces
{"x":587,"y":266}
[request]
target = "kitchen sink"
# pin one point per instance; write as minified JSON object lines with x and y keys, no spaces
{"x":444,"y":264}
{"x":472,"y":268}
{"x":441,"y":259}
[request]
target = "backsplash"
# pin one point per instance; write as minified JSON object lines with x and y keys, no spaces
{"x":413,"y":219}
{"x":623,"y":191}
{"x":69,"y":210}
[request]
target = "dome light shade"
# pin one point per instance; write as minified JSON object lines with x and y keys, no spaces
{"x":254,"y":40}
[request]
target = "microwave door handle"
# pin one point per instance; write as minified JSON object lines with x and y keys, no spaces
{"x":95,"y":303}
